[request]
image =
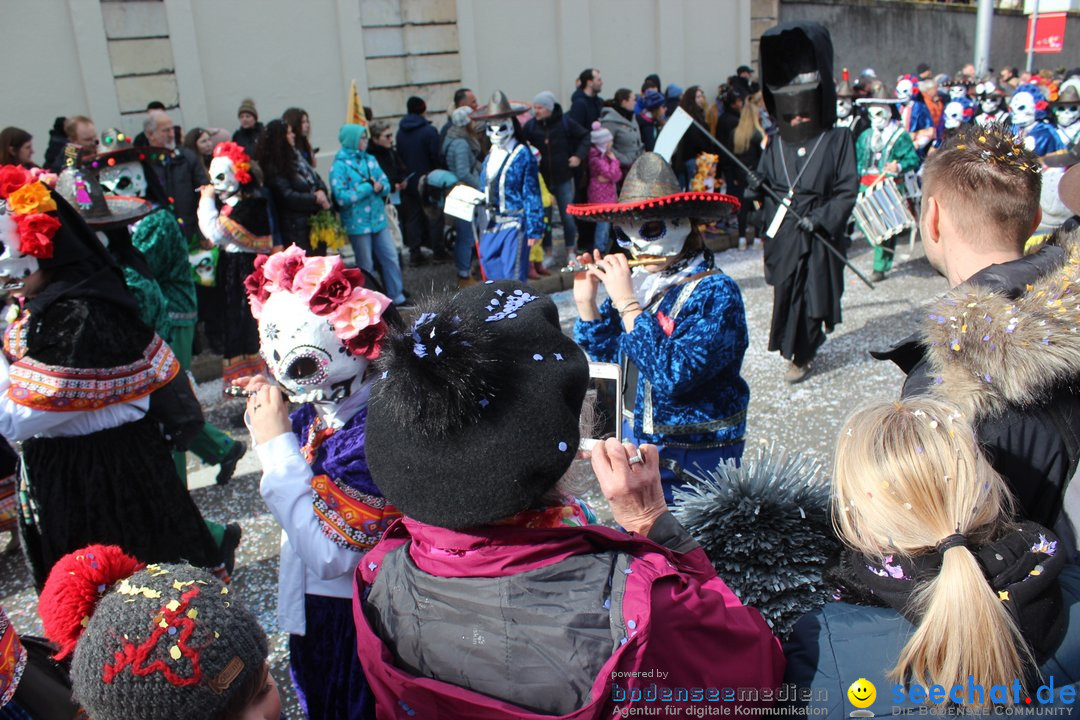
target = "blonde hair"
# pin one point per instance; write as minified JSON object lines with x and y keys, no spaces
{"x":749,"y":123}
{"x":907,"y":476}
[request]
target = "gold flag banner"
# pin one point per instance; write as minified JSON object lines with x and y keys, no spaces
{"x":355,"y":112}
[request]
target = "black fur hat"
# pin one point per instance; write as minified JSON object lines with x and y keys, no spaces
{"x":474,"y":414}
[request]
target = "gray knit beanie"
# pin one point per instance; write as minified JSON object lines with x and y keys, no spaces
{"x":547,"y":99}
{"x":170,"y":641}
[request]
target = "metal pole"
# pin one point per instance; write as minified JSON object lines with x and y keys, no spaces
{"x":1031,"y":35}
{"x":984,"y":19}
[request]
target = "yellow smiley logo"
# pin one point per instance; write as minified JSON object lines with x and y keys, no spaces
{"x":862,"y":693}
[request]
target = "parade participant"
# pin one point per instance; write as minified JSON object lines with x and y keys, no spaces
{"x":509,"y":176}
{"x":1067,"y":113}
{"x":848,"y":114}
{"x":679,"y":320}
{"x":319,"y":328}
{"x":991,"y":104}
{"x":233,"y":216}
{"x":914,"y":115}
{"x":78,"y":371}
{"x":157,"y":642}
{"x":957,"y":114}
{"x":1027,"y":110}
{"x":814,"y":165}
{"x":994,"y":345}
{"x":923,"y":553}
{"x":162,"y":253}
{"x":490,"y":367}
{"x":884,"y":150}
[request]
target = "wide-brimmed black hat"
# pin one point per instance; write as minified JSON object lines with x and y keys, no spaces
{"x":499,"y":107}
{"x":651,"y":192}
{"x":1067,"y":96}
{"x":475,"y":410}
{"x":82,"y":189}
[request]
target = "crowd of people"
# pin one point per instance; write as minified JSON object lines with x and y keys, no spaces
{"x":425,"y":459}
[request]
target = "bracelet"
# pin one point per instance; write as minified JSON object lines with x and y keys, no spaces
{"x":628,"y":306}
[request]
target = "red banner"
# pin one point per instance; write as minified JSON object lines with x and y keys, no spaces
{"x":1049,"y":33}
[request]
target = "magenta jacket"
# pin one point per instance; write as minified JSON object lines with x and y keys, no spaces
{"x":679,"y":619}
{"x":603,"y":166}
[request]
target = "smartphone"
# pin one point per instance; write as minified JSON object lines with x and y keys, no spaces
{"x":605,"y":397}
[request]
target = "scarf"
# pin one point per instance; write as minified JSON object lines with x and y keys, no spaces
{"x":650,"y":287}
{"x":1021,"y":565}
{"x":572,"y":512}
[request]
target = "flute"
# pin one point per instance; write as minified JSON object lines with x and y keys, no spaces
{"x":576,"y":267}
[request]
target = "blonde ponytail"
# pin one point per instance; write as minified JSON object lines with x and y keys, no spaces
{"x":908,"y":476}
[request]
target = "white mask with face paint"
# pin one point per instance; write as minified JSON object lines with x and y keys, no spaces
{"x":14,"y":265}
{"x":127,"y":179}
{"x":957,"y":91}
{"x":904,"y":90}
{"x":880,"y":117}
{"x":990,"y":104}
{"x":304,"y":355}
{"x":653,"y":238}
{"x":501,"y":133}
{"x":1022,"y":109}
{"x":954,"y":115}
{"x":1067,"y":115}
{"x":843,"y":108}
{"x":223,"y":178}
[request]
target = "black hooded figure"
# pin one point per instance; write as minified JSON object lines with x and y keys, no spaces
{"x":813,"y":163}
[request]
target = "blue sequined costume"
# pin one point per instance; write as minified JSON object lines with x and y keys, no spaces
{"x":1046,"y":138}
{"x":688,"y":349}
{"x":513,"y":194}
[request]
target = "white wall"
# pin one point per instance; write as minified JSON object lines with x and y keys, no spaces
{"x":525,"y":46}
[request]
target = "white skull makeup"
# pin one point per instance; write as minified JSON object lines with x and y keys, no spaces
{"x":653,"y":238}
{"x":1022,"y":109}
{"x":14,"y":265}
{"x":843,"y":108}
{"x":223,"y":177}
{"x":957,"y":91}
{"x":954,"y":115}
{"x":501,"y":132}
{"x":1067,"y":115}
{"x":127,"y":179}
{"x":990,"y":104}
{"x":304,"y":355}
{"x":880,"y":117}
{"x":904,"y":90}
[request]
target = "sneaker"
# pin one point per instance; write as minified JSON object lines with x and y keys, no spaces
{"x":229,"y":543}
{"x":796,"y":373}
{"x":877,"y":276}
{"x":532,"y":274}
{"x":228,"y":463}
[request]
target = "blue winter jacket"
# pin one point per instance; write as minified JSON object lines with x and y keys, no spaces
{"x":352,"y":180}
{"x":689,"y":353}
{"x":418,"y":146}
{"x":839,"y":643}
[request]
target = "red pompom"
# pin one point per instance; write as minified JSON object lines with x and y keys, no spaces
{"x":75,"y":584}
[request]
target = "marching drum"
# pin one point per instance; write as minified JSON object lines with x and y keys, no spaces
{"x":882,"y":213}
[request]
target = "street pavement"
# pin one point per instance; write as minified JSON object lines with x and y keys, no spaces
{"x":803,"y":417}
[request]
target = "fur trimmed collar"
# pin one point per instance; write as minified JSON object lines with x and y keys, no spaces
{"x":1010,"y":334}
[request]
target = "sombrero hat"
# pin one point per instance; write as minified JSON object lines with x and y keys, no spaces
{"x":1067,"y":96}
{"x":651,"y":192}
{"x":499,"y":107}
{"x":83,"y":191}
{"x":118,"y":150}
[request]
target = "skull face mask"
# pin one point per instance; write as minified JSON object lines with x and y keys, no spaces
{"x":843,"y":108}
{"x":501,"y":132}
{"x":14,"y":264}
{"x":954,"y":115}
{"x":304,"y":354}
{"x":1022,"y":109}
{"x":904,"y":90}
{"x":990,"y":104}
{"x":127,"y":179}
{"x":1067,"y":115}
{"x":653,"y":238}
{"x":957,"y":91}
{"x":223,"y":178}
{"x":879,"y":117}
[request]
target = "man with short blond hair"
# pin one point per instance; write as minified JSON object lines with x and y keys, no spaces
{"x":80,"y":131}
{"x":1001,"y":344}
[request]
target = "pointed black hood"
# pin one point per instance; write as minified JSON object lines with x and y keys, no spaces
{"x":793,"y":48}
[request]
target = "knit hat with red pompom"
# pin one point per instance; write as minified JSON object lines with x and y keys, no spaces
{"x":153,"y":641}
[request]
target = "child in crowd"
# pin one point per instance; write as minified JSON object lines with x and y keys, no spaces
{"x":155,"y":641}
{"x":939,"y":586}
{"x":604,"y":175}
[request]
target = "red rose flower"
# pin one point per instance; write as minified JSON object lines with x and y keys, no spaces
{"x":366,"y":343}
{"x":255,"y":285}
{"x":290,"y":265}
{"x":36,"y":231}
{"x":1041,"y":105}
{"x":13,"y":177}
{"x":332,"y":291}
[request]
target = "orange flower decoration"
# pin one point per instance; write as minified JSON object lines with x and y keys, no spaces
{"x":31,"y":198}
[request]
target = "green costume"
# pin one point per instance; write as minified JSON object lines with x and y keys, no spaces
{"x":872,"y":154}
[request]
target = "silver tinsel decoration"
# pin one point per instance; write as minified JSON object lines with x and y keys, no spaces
{"x":766,"y":528}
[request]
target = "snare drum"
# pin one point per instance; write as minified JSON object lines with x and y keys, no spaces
{"x":882,"y":213}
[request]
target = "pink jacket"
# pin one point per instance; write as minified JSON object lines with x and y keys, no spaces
{"x":602,"y":166}
{"x":680,"y":620}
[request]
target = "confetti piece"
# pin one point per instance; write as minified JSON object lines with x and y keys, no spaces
{"x":172,"y":605}
{"x":193,"y":613}
{"x":174,"y":652}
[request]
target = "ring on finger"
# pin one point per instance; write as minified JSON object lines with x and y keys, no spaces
{"x":636,"y":459}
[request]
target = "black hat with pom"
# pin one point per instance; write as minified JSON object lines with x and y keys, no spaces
{"x":474,"y":414}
